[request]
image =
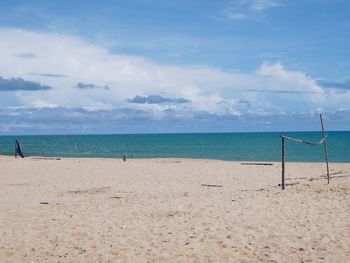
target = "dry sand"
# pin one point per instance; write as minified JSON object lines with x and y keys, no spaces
{"x":156,"y":210}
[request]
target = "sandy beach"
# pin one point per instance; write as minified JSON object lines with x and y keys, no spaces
{"x":171,"y":210}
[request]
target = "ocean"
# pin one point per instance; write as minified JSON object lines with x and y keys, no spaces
{"x":222,"y":146}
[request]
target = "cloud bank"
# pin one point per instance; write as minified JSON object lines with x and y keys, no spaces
{"x":124,"y":120}
{"x":90,"y":78}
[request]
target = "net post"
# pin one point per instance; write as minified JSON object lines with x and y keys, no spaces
{"x":283,"y":160}
{"x":325,"y":148}
{"x":15,"y":149}
{"x":43,"y":148}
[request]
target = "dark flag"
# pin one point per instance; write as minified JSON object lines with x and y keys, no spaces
{"x":18,"y":150}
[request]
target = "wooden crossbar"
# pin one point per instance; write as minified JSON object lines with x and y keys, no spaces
{"x":304,"y":141}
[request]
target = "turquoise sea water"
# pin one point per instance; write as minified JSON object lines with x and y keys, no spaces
{"x":224,"y":146}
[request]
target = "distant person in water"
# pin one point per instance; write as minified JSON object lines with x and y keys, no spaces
{"x":124,"y":157}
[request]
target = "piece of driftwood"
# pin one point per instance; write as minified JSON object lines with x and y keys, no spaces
{"x":257,"y":164}
{"x":290,"y":184}
{"x":211,"y":185}
{"x":46,"y":158}
{"x":168,"y":161}
{"x":44,"y":203}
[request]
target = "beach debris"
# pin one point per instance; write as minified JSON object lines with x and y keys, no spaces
{"x":212,"y":185}
{"x":114,"y":197}
{"x":267,"y":164}
{"x":44,"y":203}
{"x":185,"y":194}
{"x":18,"y":150}
{"x":47,"y":158}
{"x":94,"y":190}
{"x":174,"y":213}
{"x":291,"y":184}
{"x":168,"y":162}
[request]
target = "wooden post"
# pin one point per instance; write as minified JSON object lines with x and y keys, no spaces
{"x":15,"y":150}
{"x":43,"y":148}
{"x":283,"y":161}
{"x":325,"y":147}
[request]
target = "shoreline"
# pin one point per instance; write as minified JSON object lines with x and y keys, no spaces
{"x":157,"y":158}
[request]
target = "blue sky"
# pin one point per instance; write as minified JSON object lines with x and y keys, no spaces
{"x":173,"y":66}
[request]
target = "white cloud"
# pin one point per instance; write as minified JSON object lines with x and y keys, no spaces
{"x":63,"y":61}
{"x":261,"y":5}
{"x":248,"y":9}
{"x":236,"y":16}
{"x":42,"y":104}
{"x":279,"y":79}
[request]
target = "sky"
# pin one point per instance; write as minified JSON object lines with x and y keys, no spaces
{"x":161,"y":66}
